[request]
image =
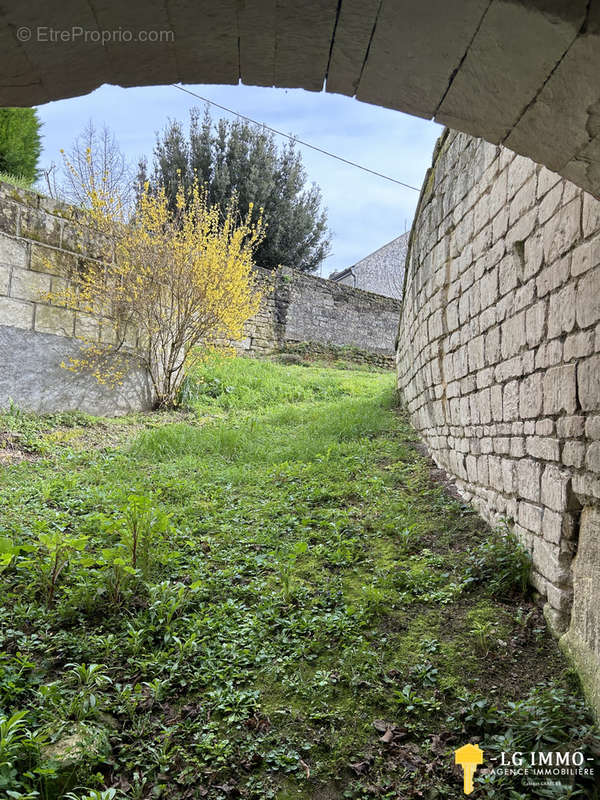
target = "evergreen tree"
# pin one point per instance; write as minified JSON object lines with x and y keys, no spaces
{"x":20,"y":143}
{"x":243,"y":159}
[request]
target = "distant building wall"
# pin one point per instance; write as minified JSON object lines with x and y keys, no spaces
{"x":381,"y":272}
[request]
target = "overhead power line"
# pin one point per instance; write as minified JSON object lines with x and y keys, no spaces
{"x":295,"y":139}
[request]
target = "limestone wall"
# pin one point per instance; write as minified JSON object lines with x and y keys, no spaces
{"x":43,"y":243}
{"x":499,"y":363}
{"x":297,"y":307}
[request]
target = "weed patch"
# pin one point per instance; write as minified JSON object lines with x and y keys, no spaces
{"x":263,"y":596}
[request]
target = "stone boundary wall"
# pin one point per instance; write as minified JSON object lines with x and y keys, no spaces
{"x":499,"y":364}
{"x":43,"y":243}
{"x":297,"y":307}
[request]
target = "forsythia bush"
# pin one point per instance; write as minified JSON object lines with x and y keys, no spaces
{"x":175,"y":279}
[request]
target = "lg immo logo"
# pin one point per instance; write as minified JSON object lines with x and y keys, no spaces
{"x":469,"y":756}
{"x":537,"y":767}
{"x":547,"y":765}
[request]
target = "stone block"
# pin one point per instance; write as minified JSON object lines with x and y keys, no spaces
{"x":513,"y":335}
{"x":52,"y":261}
{"x":547,"y":561}
{"x":496,"y":402}
{"x":4,"y":279}
{"x":578,"y":345}
{"x":500,"y":224}
{"x":560,"y":390}
{"x":16,"y":313}
{"x":40,"y":227}
{"x":546,"y":180}
{"x":508,"y":475}
{"x":591,"y":215}
{"x":573,"y":454}
{"x":550,"y":203}
{"x":510,"y":402}
{"x":87,"y":328}
{"x":588,"y":299}
{"x":562,"y":230}
{"x":533,"y":255}
{"x":592,"y":457}
{"x":489,"y":287}
{"x":588,"y":383}
{"x":517,"y":447}
{"x":561,"y":311}
{"x":13,"y":252}
{"x":554,"y":276}
{"x":531,"y":396}
{"x":570,"y":427}
{"x":27,"y":285}
{"x":9,"y":217}
{"x":583,"y":258}
{"x":535,"y":323}
{"x":59,"y":321}
{"x":543,"y":447}
{"x":544,"y":427}
{"x":592,"y":427}
{"x":528,"y":479}
{"x":476,"y":353}
{"x":554,"y":488}
{"x":530,"y":517}
{"x":552,"y":524}
{"x":509,"y":273}
{"x":523,"y":200}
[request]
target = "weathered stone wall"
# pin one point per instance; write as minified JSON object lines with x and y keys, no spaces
{"x":43,"y":243}
{"x":499,"y":363}
{"x":303,"y":308}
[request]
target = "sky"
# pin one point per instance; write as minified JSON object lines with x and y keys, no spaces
{"x":364,"y":211}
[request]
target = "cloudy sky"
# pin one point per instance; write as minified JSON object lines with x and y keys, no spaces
{"x":364,"y":211}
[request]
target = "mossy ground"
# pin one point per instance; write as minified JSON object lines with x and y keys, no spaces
{"x":307,"y":627}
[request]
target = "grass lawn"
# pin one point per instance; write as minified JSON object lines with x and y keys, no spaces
{"x":264,"y":596}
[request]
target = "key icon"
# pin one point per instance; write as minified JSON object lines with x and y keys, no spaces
{"x":469,"y":757}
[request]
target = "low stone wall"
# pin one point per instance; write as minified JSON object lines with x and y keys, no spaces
{"x":43,"y":243}
{"x":499,"y":363}
{"x":297,"y":307}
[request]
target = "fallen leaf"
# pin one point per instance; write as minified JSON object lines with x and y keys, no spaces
{"x":387,"y":736}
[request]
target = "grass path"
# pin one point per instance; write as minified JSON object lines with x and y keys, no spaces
{"x":265,"y":597}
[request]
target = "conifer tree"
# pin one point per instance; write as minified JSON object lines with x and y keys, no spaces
{"x":242,"y":159}
{"x":20,"y":144}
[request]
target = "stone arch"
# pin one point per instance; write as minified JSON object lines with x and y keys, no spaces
{"x":522,"y":73}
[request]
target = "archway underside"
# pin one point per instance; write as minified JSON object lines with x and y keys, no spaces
{"x":519,"y":72}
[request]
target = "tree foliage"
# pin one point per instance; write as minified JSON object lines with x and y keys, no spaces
{"x":177,"y":277}
{"x":243,"y":158}
{"x":20,"y":143}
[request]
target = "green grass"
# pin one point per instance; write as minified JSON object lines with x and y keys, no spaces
{"x":16,"y":180}
{"x":298,"y":577}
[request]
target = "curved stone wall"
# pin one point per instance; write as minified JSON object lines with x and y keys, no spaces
{"x":499,"y":363}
